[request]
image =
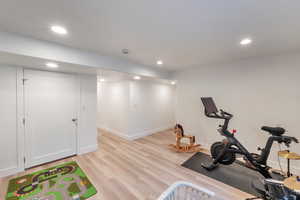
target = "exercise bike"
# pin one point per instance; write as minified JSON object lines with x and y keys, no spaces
{"x":225,"y":152}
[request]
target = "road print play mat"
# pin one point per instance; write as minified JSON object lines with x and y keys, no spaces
{"x":62,"y":182}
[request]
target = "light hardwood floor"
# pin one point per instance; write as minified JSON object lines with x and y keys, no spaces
{"x":140,"y":169}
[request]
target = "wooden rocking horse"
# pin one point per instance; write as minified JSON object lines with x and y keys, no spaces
{"x":180,"y":146}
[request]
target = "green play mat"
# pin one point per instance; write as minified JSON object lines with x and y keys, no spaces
{"x":62,"y":182}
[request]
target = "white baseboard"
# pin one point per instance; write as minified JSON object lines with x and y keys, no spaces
{"x":134,"y":136}
{"x":115,"y":132}
{"x":148,"y":132}
{"x":14,"y":170}
{"x":10,"y":171}
{"x":88,"y":149}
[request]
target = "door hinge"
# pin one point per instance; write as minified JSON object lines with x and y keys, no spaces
{"x":24,"y":160}
{"x":24,"y":79}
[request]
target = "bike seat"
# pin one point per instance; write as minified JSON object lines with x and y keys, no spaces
{"x":276,"y":131}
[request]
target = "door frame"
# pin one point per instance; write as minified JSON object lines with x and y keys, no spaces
{"x":19,"y":125}
{"x":20,"y":117}
{"x":23,"y":152}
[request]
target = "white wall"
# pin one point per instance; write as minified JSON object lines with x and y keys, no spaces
{"x":258,"y":92}
{"x":113,"y":106}
{"x":151,"y":107}
{"x":133,"y":109}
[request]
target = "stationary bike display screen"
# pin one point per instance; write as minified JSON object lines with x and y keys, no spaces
{"x":209,"y":105}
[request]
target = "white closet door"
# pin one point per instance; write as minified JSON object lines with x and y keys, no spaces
{"x":51,"y":101}
{"x":9,"y":139}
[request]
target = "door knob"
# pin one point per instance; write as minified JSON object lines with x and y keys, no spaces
{"x":74,"y":120}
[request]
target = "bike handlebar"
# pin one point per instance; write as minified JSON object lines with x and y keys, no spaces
{"x":226,"y":114}
{"x":223,"y":115}
{"x":287,"y":140}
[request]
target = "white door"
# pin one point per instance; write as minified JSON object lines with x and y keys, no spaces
{"x":51,"y":101}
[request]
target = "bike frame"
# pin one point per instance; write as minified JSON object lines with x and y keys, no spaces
{"x":260,"y":164}
{"x":232,"y":145}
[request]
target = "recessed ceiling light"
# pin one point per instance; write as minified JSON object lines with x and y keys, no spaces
{"x":52,"y":65}
{"x":159,"y":62}
{"x":173,"y":82}
{"x":102,"y":80}
{"x":136,"y":77}
{"x":59,"y":30}
{"x":246,"y":41}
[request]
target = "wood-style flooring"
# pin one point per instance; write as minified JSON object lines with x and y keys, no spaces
{"x":140,"y":169}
